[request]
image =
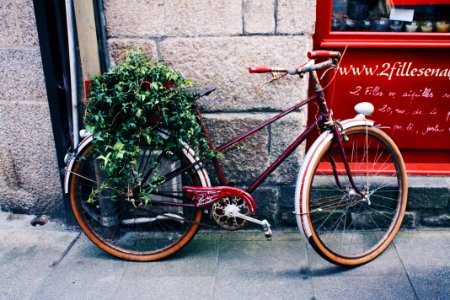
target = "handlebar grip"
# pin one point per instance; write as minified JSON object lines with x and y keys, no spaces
{"x":260,"y":69}
{"x":323,"y":54}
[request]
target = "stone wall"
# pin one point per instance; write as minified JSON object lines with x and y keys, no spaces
{"x":214,"y":42}
{"x":210,"y":41}
{"x":29,"y":179}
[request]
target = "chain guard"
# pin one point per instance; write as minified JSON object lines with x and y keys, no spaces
{"x":221,"y":209}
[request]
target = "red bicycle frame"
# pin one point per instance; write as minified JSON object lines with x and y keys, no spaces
{"x":323,"y":120}
{"x":227,"y":146}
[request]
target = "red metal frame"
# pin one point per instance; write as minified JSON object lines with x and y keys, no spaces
{"x":207,"y":196}
{"x":203,"y":197}
{"x":227,"y":146}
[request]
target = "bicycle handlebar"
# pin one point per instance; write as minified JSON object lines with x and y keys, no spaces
{"x":323,"y":54}
{"x":333,"y":57}
{"x":265,"y":69}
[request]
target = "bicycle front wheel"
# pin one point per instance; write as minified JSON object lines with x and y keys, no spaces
{"x":122,"y":224}
{"x":351,"y":224}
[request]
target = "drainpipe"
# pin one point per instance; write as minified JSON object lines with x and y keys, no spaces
{"x":73,"y":71}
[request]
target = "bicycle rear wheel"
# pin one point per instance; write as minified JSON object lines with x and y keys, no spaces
{"x":348,"y":228}
{"x":127,"y":227}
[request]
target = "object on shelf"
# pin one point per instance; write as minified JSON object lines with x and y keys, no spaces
{"x":442,"y":26}
{"x":411,"y":26}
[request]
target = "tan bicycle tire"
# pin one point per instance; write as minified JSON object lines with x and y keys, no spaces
{"x":118,"y":251}
{"x":316,"y":239}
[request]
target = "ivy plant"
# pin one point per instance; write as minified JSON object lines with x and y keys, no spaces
{"x":125,"y":106}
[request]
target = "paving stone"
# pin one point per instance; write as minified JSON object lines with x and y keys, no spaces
{"x":242,"y":259}
{"x":291,"y":285}
{"x":28,"y":257}
{"x":201,"y":252}
{"x":217,"y":265}
{"x":425,"y":258}
{"x":388,"y":263}
{"x":362,"y":287}
{"x":86,"y":272}
{"x":189,"y":286}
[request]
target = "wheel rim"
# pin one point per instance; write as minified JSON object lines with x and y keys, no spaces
{"x":346,"y":227}
{"x":137,"y":233}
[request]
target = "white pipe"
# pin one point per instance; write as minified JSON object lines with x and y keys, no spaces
{"x":73,"y":71}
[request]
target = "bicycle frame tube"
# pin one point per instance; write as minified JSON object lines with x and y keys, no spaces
{"x":227,"y":146}
{"x":338,"y":137}
{"x":324,"y":118}
{"x":216,"y":163}
{"x":284,"y":155}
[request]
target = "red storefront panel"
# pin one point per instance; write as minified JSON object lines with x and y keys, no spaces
{"x":407,"y":78}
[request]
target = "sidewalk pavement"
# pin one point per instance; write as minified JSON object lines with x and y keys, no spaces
{"x":52,"y":262}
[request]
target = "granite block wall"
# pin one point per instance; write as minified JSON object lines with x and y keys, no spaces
{"x":29,"y":177}
{"x":209,"y":41}
{"x":214,"y":42}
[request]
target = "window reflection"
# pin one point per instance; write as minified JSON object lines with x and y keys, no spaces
{"x":391,"y":15}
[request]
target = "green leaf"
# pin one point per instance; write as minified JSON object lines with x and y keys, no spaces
{"x":120,"y":114}
{"x":105,"y":159}
{"x":148,"y":139}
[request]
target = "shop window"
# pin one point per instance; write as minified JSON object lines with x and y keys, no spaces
{"x":430,"y":16}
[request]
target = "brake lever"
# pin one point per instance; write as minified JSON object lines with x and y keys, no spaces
{"x":275,"y":76}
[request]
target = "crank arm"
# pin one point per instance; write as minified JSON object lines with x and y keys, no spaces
{"x":264,"y":223}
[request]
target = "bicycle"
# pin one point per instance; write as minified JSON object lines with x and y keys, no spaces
{"x":350,"y":196}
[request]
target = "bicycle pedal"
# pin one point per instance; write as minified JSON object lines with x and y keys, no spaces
{"x":266,"y":229}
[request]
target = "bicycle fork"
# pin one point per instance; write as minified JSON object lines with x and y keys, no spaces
{"x":336,"y":128}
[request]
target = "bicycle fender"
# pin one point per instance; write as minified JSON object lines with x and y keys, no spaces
{"x":306,"y":171}
{"x":69,"y":165}
{"x":187,"y":150}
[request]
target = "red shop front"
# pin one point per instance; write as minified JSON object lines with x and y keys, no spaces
{"x":397,"y":56}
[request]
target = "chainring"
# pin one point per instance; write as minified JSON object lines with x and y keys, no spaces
{"x":221,"y":209}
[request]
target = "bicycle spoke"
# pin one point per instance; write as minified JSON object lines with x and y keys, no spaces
{"x":127,"y":226}
{"x":348,"y":227}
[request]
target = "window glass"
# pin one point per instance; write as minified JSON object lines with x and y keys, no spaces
{"x":391,"y":15}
